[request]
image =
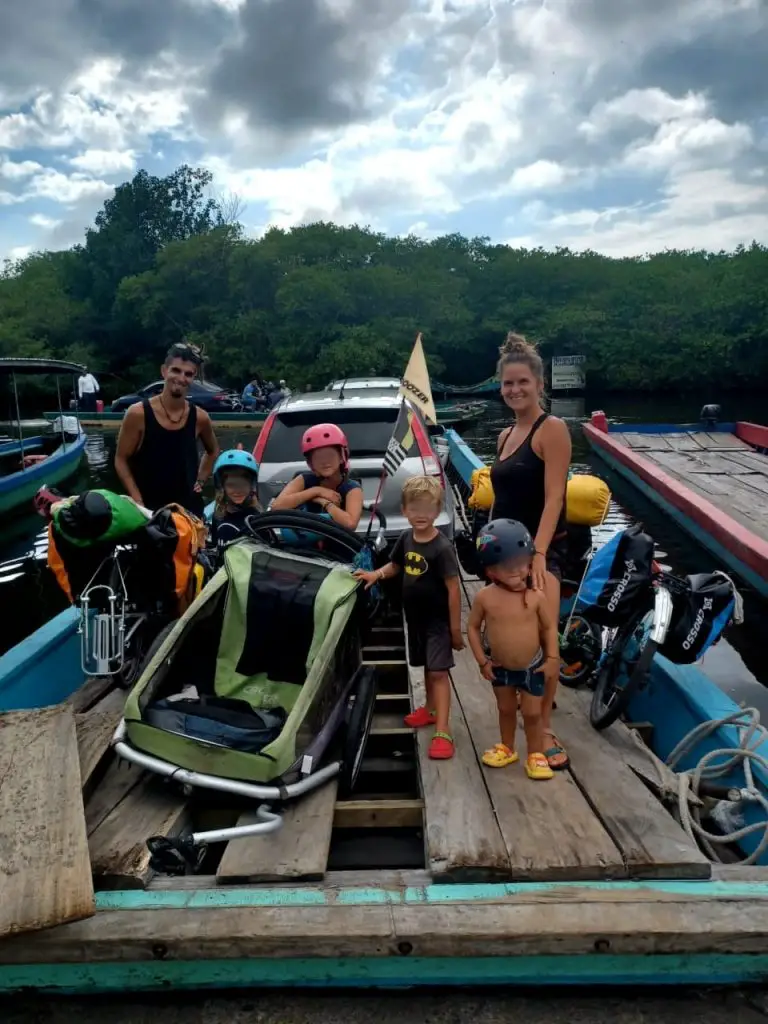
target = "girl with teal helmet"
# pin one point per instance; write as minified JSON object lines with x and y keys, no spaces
{"x":235,"y":475}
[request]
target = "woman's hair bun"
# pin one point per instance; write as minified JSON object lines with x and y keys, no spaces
{"x":517,"y":345}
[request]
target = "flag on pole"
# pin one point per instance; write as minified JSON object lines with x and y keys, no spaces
{"x":415,"y":385}
{"x":401,"y":442}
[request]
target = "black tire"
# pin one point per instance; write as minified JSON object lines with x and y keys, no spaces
{"x":357,"y":728}
{"x":587,"y":645}
{"x":608,"y":700}
{"x":292,"y":519}
{"x":152,"y":650}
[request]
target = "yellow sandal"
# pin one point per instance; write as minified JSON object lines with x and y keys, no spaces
{"x":500,"y":756}
{"x":537,"y":767}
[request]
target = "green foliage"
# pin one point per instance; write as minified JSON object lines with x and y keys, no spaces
{"x":164,"y":261}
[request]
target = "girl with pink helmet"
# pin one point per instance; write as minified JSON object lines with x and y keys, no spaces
{"x":326,"y":488}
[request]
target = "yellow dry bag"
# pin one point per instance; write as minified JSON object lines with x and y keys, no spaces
{"x":482,"y":491}
{"x":586,"y":500}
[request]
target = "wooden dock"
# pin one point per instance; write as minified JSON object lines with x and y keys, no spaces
{"x":717,"y":466}
{"x":435,"y":873}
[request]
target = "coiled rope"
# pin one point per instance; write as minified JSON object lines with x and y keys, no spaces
{"x":752,"y":734}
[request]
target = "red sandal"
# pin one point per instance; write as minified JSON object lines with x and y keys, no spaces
{"x":419,"y":718}
{"x":441,"y":748}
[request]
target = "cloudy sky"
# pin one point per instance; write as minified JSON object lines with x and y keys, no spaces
{"x":625,"y":126}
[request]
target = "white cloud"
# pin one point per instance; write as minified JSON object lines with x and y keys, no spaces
{"x":104,"y":161}
{"x":18,"y":171}
{"x":704,"y":209}
{"x":543,"y":174}
{"x":688,"y":140}
{"x":65,"y":189}
{"x":41,"y":221}
{"x":653,"y":106}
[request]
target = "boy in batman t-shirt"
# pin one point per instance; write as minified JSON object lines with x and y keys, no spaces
{"x":431,"y":602}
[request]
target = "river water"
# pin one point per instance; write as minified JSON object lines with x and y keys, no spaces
{"x":29,"y":595}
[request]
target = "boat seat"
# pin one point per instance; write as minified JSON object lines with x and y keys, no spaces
{"x":276,"y":617}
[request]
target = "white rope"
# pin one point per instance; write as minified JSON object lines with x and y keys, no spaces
{"x":751,"y":735}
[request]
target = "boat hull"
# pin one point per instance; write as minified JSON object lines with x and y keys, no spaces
{"x":743,"y":551}
{"x":18,"y":489}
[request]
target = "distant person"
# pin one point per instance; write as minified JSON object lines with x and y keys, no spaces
{"x":529,"y":479}
{"x":274,"y":396}
{"x":432,"y":605}
{"x":522,"y":634}
{"x":285,"y":389}
{"x":87,"y":389}
{"x":157,"y":451}
{"x":253,"y":396}
{"x":327,"y":486}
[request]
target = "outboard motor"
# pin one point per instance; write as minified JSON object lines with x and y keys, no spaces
{"x":710,"y":414}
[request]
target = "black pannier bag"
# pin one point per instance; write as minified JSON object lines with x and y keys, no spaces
{"x":618,"y":580}
{"x":700,"y":615}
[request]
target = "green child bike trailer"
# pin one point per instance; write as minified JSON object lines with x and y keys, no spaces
{"x":259,"y":690}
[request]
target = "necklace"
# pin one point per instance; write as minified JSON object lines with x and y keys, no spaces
{"x":170,"y":418}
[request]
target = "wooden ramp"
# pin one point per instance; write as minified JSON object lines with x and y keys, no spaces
{"x":719,"y":467}
{"x":45,"y":872}
{"x":302,"y":849}
{"x":596,"y":820}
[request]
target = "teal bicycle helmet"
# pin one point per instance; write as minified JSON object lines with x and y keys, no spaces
{"x":234,"y":458}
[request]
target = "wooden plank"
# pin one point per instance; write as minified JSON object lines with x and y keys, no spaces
{"x":549,"y":829}
{"x":119,"y":854}
{"x":652,"y":843}
{"x":550,"y":925}
{"x":721,"y":440}
{"x":644,"y":442}
{"x":722,"y":490}
{"x":94,"y":731}
{"x":687,"y":464}
{"x":462,"y":838}
{"x":751,"y":460}
{"x":90,"y":693}
{"x":118,"y":780}
{"x":391,"y":879}
{"x":298,"y":850}
{"x":683,"y":442}
{"x":390,"y":813}
{"x":389,"y":723}
{"x":562,"y":838}
{"x":45,"y":873}
{"x":628,"y":745}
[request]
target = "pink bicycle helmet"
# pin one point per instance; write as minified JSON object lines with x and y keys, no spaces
{"x":326,"y":435}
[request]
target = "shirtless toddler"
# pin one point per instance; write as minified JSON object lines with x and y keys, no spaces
{"x":523,"y":640}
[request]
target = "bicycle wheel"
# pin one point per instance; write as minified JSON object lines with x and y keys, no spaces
{"x":623,"y":670}
{"x":580,"y":649}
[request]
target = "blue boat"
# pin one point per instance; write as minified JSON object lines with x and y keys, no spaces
{"x":26,"y":464}
{"x":495,"y":903}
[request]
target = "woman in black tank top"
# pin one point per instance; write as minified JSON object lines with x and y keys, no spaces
{"x":529,"y":478}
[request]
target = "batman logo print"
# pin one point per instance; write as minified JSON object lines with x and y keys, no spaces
{"x":415,"y":564}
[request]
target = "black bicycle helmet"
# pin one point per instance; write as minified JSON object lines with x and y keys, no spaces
{"x":501,"y":540}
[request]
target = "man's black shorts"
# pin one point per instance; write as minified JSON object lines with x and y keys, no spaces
{"x":429,"y":645}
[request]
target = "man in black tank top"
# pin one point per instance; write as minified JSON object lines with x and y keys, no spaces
{"x":157,"y":452}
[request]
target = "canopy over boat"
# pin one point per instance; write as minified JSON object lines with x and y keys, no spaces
{"x":40,"y":366}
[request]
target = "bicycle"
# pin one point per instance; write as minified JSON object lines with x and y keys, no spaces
{"x":624,"y":666}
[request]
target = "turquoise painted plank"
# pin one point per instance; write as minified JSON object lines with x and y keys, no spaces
{"x":388,"y":972}
{"x":182,"y":899}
